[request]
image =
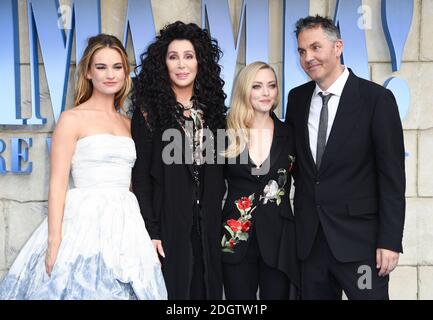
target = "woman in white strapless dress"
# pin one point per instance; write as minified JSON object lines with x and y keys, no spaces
{"x":93,"y":244}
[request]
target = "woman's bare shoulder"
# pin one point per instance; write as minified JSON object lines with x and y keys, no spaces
{"x":126,"y":120}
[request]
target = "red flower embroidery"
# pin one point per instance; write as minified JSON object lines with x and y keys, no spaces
{"x":243,"y":203}
{"x":246,"y":226}
{"x":232,"y":243}
{"x":238,"y":229}
{"x":235,"y":225}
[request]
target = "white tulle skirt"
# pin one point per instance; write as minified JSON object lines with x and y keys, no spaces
{"x":105,"y":253}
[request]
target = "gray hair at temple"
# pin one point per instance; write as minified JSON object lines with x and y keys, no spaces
{"x":312,"y":22}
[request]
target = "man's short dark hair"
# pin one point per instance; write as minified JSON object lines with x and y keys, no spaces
{"x":312,"y":22}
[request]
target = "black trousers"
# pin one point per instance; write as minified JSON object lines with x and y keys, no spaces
{"x":242,"y":280}
{"x":324,"y":277}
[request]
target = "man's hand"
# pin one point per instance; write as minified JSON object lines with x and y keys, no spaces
{"x":386,"y":261}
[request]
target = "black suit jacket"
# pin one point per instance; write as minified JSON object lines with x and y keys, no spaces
{"x":358,"y":194}
{"x":272,"y":223}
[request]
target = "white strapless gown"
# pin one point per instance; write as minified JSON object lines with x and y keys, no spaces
{"x":106,"y":252}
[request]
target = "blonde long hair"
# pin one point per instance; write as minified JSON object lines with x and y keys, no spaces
{"x":84,"y":88}
{"x":241,"y":114}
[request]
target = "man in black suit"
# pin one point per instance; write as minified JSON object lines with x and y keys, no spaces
{"x":349,"y":176}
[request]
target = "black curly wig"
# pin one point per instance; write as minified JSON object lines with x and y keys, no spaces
{"x":152,"y":91}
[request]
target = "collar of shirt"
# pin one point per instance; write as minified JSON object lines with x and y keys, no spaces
{"x":337,"y":87}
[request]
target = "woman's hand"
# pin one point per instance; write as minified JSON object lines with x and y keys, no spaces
{"x":158,"y":247}
{"x":51,"y":256}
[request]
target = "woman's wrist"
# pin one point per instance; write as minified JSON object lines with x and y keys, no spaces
{"x":54,"y":240}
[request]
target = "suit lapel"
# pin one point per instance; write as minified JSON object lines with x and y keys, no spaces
{"x":277,"y":141}
{"x":344,"y":122}
{"x":278,"y":137}
{"x":306,"y":102}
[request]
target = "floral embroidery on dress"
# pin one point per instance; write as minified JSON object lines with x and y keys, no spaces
{"x":274,"y":190}
{"x":238,"y":229}
{"x":291,"y":162}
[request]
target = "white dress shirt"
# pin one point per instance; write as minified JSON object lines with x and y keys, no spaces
{"x":316,"y":106}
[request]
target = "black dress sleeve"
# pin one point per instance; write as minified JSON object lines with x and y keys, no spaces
{"x":142,"y":180}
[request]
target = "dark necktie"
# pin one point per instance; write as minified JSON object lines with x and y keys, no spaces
{"x":323,"y":128}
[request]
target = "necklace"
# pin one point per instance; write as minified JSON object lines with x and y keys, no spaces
{"x":187,"y":106}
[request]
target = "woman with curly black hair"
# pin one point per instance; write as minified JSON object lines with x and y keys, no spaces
{"x":179,"y":89}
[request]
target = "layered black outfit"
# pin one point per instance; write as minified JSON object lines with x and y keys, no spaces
{"x":267,"y":259}
{"x":181,"y":206}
